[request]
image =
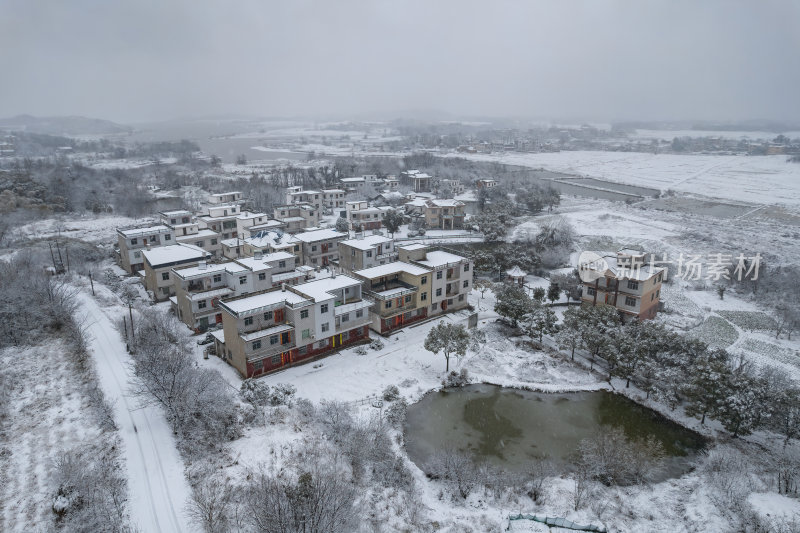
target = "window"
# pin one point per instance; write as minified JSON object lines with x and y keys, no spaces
{"x":388,"y":304}
{"x":165,"y":276}
{"x":408,"y":299}
{"x":591,"y":291}
{"x":153,"y":238}
{"x":248,"y":321}
{"x":460,"y":297}
{"x":258,"y":365}
{"x":273,"y":339}
{"x":659,"y":278}
{"x":268,"y":315}
{"x":466,"y":283}
{"x":242,"y":280}
{"x":314,"y":248}
{"x":304,"y":313}
{"x":630,"y":301}
{"x":217,"y":278}
{"x":213,"y":242}
{"x":257,"y":345}
{"x":325,"y":327}
{"x":201,"y":304}
{"x":323,"y":308}
{"x":438,"y":292}
{"x":423,"y":296}
{"x":346,"y":317}
{"x":199,"y":244}
{"x":281,"y":264}
{"x":345,"y":335}
{"x":137,"y":255}
{"x":439,"y":275}
{"x":359,"y":313}
{"x":275,"y":360}
{"x":424,"y":280}
{"x":369,"y":253}
{"x":322,"y":344}
{"x":450,"y":301}
{"x":134,"y":242}
{"x":262,"y":276}
{"x":434,"y":306}
{"x":306,"y":333}
{"x":165,"y":290}
{"x":633,"y":285}
{"x":466,"y":267}
{"x":167,"y":237}
{"x":658,"y":292}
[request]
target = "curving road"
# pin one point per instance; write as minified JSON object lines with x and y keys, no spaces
{"x":158,"y":490}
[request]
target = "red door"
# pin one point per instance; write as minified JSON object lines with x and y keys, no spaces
{"x":279,"y":315}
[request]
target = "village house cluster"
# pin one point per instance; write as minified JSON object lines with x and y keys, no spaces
{"x":274,"y":291}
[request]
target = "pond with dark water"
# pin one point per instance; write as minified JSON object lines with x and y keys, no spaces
{"x":512,"y":428}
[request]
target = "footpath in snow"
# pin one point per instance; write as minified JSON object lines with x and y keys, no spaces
{"x":156,"y":483}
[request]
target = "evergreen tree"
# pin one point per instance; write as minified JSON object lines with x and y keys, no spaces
{"x":450,"y":339}
{"x":540,"y":320}
{"x":512,"y":303}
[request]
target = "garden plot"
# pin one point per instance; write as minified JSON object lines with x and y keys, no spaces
{"x":765,"y":352}
{"x":749,"y":320}
{"x":716,"y":332}
{"x":49,"y":414}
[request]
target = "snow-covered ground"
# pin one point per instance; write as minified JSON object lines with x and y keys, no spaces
{"x":157,"y":487}
{"x":757,"y":179}
{"x":89,"y":228}
{"x":49,"y":415}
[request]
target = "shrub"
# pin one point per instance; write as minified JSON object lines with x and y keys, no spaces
{"x":391,"y":393}
{"x":376,"y":344}
{"x":456,"y":379}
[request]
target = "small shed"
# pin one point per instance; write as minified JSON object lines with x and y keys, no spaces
{"x":516,"y":275}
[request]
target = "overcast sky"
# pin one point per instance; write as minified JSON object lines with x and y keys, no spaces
{"x":594,"y":60}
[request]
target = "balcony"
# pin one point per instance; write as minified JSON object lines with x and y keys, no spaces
{"x":392,"y":289}
{"x":452,"y":289}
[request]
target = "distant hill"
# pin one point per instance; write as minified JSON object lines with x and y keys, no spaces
{"x":62,"y":125}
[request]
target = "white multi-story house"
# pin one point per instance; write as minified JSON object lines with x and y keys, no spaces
{"x":199,"y":289}
{"x":187,"y":231}
{"x":225,"y":198}
{"x":366,"y":251}
{"x":362,"y":217}
{"x":297,"y":217}
{"x":319,"y":248}
{"x":221,"y":219}
{"x":451,"y":278}
{"x":159,"y":262}
{"x":624,"y":281}
{"x":131,"y":242}
{"x":275,"y":329}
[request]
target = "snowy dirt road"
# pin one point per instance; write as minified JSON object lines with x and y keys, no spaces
{"x":156,"y":483}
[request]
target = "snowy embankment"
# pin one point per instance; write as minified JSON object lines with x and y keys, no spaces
{"x":157,"y":486}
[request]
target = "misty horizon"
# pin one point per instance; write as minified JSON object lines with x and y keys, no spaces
{"x":590,"y":62}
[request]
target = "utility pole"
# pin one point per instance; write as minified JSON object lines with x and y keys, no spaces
{"x":130,"y":311}
{"x":127,"y":344}
{"x":92,"y":282}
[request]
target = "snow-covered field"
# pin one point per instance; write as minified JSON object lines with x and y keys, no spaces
{"x":89,"y":228}
{"x":50,"y":415}
{"x":755,"y":179}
